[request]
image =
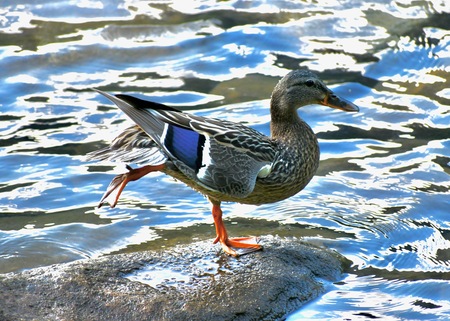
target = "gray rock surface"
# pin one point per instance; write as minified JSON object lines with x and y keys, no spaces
{"x":190,"y":282}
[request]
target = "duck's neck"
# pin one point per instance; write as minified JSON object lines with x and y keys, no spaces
{"x":290,"y":128}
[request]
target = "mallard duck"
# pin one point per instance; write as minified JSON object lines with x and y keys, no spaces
{"x":224,"y":160}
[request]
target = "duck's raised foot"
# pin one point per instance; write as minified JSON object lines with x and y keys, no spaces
{"x":119,"y":182}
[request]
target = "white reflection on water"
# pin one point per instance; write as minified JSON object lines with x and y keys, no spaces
{"x":369,"y":297}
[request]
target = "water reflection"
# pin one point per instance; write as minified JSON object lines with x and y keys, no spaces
{"x":371,"y":297}
{"x":381,"y":195}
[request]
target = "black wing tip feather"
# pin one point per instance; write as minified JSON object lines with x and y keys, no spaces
{"x":145,"y":104}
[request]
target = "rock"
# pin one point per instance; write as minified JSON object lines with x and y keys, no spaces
{"x":190,"y":282}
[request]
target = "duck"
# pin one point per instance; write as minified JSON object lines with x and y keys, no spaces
{"x":225,"y":161}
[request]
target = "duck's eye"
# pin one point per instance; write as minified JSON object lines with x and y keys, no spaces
{"x":309,"y":83}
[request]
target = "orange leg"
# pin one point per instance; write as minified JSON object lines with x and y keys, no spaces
{"x":119,"y":182}
{"x":247,"y":244}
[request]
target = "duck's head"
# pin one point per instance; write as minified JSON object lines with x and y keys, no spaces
{"x":301,"y":88}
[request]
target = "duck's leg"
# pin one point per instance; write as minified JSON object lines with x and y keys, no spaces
{"x":119,"y":182}
{"x":246,"y":244}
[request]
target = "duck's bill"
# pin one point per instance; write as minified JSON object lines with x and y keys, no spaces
{"x":334,"y":101}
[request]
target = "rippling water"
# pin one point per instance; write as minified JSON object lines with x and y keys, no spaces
{"x":381,"y":195}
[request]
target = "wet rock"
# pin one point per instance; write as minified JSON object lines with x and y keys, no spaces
{"x":191,"y":282}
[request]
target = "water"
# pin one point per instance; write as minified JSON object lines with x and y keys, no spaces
{"x":381,"y":195}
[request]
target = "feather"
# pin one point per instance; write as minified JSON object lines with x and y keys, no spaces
{"x":184,"y":144}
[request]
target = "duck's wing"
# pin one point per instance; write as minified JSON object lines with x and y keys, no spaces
{"x":220,"y":155}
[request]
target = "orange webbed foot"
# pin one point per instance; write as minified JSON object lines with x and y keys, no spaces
{"x":114,"y":190}
{"x":237,"y":246}
{"x":119,"y":182}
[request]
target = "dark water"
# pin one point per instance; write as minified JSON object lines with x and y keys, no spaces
{"x":381,"y":195}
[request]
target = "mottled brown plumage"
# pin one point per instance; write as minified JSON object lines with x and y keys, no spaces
{"x":223,"y":160}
